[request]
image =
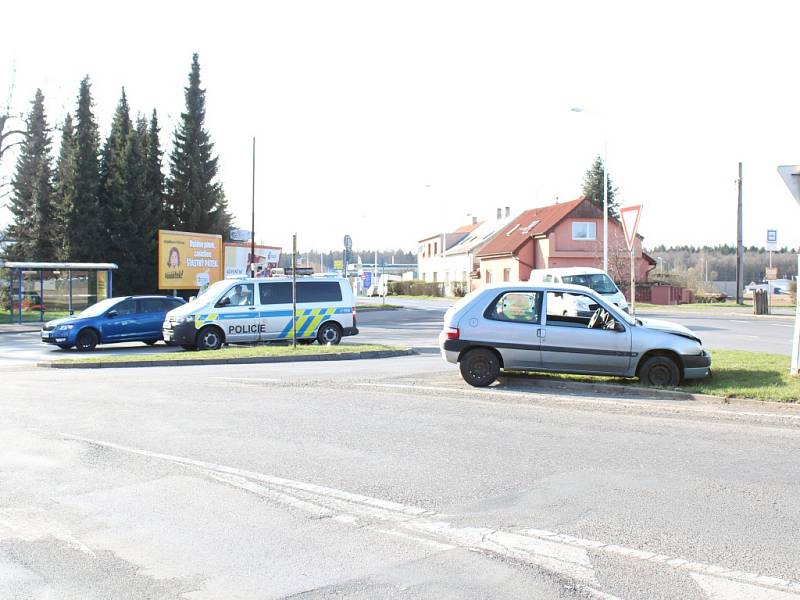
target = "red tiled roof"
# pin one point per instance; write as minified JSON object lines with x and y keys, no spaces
{"x":537,"y":221}
{"x":468,"y":228}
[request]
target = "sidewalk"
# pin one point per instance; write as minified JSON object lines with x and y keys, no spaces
{"x":23,"y":328}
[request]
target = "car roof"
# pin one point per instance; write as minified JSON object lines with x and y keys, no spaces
{"x":572,"y":271}
{"x":526,"y":285}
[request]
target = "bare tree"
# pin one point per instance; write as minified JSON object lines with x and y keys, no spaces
{"x":12,"y":132}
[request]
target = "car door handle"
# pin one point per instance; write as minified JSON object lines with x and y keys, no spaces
{"x":540,"y":333}
{"x":252,"y":308}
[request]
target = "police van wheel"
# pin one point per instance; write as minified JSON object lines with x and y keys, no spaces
{"x":209,"y":338}
{"x":329,"y":333}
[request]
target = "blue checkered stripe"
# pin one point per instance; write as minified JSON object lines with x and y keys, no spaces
{"x":308,"y":319}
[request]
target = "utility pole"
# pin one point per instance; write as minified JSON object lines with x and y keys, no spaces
{"x":253,"y":217}
{"x":294,"y":291}
{"x":739,"y":247}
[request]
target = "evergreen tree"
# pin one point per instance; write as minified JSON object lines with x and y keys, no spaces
{"x":32,"y":198}
{"x":593,"y":188}
{"x":131,"y":235}
{"x":196,"y":202}
{"x":85,"y":230}
{"x":64,"y":195}
{"x":116,"y":198}
{"x":154,"y":177}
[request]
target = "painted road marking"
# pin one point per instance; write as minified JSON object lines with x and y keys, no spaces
{"x":564,"y":555}
{"x":671,"y":409}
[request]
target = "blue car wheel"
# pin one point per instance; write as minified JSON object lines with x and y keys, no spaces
{"x":87,"y":340}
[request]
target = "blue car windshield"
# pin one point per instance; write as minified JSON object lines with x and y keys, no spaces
{"x":95,"y":310}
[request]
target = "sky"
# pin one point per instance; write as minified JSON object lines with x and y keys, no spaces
{"x":389,"y":121}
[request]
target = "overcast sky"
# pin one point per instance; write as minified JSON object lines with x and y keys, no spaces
{"x":390,"y":120}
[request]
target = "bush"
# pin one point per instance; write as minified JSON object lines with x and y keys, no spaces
{"x":416,"y":287}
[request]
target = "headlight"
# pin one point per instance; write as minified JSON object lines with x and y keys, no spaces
{"x":183,"y":319}
{"x":65,"y":327}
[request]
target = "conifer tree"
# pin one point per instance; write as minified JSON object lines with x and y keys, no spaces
{"x":154,"y":177}
{"x":196,"y":202}
{"x":131,"y":238}
{"x":64,"y":195}
{"x":31,"y":202}
{"x":85,"y":229}
{"x":593,"y":188}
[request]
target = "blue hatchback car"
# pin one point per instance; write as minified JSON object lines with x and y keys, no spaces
{"x":114,"y":320}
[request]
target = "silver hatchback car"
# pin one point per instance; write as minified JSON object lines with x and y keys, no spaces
{"x":509,"y":327}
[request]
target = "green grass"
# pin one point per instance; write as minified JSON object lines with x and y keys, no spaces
{"x":31,"y":316}
{"x":370,"y":307}
{"x":410,"y":297}
{"x":735,"y":374}
{"x":264,"y":350}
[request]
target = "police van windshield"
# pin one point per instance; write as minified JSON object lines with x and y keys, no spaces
{"x":211,"y":293}
{"x":599,"y":282}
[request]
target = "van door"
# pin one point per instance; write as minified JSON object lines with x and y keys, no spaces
{"x":276,"y":309}
{"x":237,"y":314}
{"x":318,"y":302}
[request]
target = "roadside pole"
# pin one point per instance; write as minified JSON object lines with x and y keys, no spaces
{"x":629,"y":215}
{"x":294,"y":291}
{"x":791,"y":177}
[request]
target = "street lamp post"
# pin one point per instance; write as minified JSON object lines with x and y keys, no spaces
{"x":577,"y":109}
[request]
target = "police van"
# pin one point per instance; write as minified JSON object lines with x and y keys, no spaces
{"x":260,"y":310}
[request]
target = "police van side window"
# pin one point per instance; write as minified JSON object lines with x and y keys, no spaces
{"x":239,"y":295}
{"x":319,"y":291}
{"x":275,"y":293}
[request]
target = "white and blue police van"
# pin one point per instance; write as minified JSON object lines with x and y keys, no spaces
{"x":260,"y":310}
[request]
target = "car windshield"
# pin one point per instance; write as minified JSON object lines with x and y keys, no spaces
{"x":599,"y":282}
{"x":98,"y":309}
{"x":211,"y":293}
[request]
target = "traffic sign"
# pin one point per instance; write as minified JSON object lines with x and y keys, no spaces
{"x":240,"y":235}
{"x":629,"y":215}
{"x":772,"y":240}
{"x":791,"y":177}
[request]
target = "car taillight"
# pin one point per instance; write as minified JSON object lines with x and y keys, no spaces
{"x":451,"y":333}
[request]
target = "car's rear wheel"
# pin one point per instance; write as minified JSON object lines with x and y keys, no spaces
{"x":660,"y":371}
{"x":209,"y":338}
{"x":329,"y":333}
{"x":87,"y":340}
{"x":479,"y":367}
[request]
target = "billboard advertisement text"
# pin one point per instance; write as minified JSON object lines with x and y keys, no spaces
{"x":188,"y":261}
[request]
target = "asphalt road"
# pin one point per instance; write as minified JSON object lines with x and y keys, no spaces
{"x":385,"y":479}
{"x":418,"y":322}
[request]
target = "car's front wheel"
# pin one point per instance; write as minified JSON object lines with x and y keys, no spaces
{"x":87,"y":340}
{"x":209,"y":338}
{"x":479,"y":367}
{"x":660,"y":371}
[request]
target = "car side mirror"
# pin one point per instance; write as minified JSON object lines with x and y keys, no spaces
{"x":111,"y":314}
{"x":224,"y":301}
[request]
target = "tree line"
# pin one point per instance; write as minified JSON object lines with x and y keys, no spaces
{"x":105,"y":203}
{"x":718,"y":263}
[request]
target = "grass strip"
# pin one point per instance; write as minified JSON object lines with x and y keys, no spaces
{"x":231,"y":352}
{"x":735,"y":374}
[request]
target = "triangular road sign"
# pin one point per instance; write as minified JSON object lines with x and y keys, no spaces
{"x":629,"y":215}
{"x":791,"y":177}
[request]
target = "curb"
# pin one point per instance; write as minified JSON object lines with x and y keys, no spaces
{"x":22,"y":329}
{"x":79,"y":364}
{"x":638,"y":390}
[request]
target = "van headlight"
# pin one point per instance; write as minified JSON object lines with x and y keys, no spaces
{"x":182,"y":319}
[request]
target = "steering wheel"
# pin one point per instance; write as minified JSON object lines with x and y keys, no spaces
{"x":597,"y":319}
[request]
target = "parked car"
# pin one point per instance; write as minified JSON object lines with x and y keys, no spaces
{"x":595,"y":279}
{"x":114,"y":320}
{"x":513,"y":327}
{"x":260,"y":310}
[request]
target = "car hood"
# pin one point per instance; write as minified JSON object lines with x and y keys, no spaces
{"x":63,"y":321}
{"x":669,"y":327}
{"x":186,"y":309}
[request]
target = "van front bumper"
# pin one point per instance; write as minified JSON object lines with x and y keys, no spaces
{"x":181,"y":334}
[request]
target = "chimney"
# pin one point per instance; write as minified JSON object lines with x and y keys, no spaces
{"x":499,"y":213}
{"x":508,"y":211}
{"x":474,"y":220}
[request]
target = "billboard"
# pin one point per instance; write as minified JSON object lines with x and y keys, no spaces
{"x":237,"y":258}
{"x":188,"y":261}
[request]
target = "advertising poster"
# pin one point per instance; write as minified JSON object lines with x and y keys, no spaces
{"x":188,"y":261}
{"x":237,"y":259}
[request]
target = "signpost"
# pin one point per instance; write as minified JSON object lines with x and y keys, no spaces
{"x":791,"y":177}
{"x":629,"y":215}
{"x":348,"y":247}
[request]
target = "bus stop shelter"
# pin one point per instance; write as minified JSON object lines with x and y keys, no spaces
{"x":39,"y":290}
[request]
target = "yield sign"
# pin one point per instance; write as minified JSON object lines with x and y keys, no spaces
{"x":630,"y":222}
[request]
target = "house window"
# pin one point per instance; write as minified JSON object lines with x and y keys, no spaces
{"x":583,"y":230}
{"x":506,"y":274}
{"x":488,"y":276}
